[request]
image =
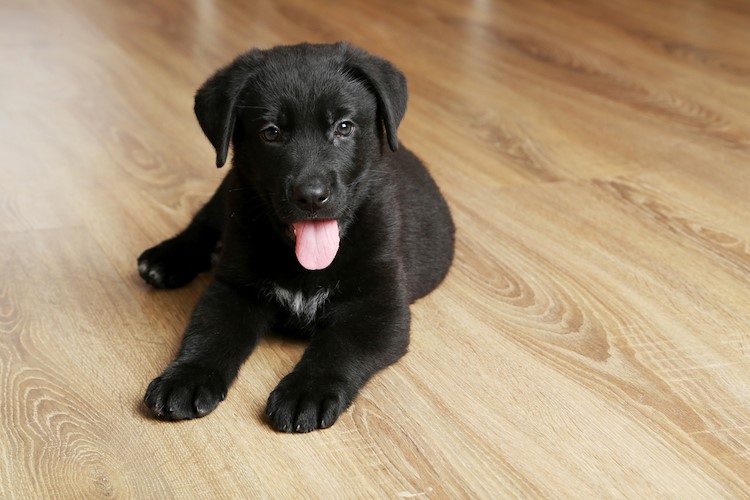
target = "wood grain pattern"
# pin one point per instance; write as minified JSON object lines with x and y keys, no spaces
{"x":591,"y":341}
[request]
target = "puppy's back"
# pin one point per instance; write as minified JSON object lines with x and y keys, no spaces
{"x":427,"y":230}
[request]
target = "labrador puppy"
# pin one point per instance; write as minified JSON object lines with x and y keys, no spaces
{"x":323,"y":226}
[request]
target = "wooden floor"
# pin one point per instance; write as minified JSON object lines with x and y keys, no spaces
{"x":591,"y":341}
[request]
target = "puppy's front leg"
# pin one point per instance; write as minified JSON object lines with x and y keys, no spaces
{"x":364,"y":337}
{"x":224,"y":329}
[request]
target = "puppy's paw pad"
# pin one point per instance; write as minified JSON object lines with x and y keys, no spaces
{"x":302,"y":404}
{"x":185,"y":392}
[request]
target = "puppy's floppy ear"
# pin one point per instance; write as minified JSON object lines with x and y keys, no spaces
{"x":388,"y":84}
{"x":215,"y":102}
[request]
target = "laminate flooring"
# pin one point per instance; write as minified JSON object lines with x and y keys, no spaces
{"x":591,"y":341}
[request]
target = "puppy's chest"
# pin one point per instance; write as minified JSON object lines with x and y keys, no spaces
{"x":304,"y":306}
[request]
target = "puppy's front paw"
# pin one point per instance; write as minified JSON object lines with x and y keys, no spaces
{"x":303,"y":403}
{"x":185,"y":391}
{"x":172,"y":263}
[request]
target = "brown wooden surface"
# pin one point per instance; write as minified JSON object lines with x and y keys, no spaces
{"x":592,"y":339}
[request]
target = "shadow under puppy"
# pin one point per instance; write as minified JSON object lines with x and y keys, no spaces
{"x":324,"y":226}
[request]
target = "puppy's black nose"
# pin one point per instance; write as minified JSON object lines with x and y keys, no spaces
{"x":311,"y":196}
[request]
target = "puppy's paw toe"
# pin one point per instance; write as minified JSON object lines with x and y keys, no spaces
{"x":151,"y":273}
{"x":302,"y":404}
{"x":185,"y":392}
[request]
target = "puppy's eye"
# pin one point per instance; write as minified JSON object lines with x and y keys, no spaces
{"x":344,"y":129}
{"x":270,"y":134}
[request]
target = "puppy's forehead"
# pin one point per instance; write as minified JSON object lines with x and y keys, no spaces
{"x":307,"y":84}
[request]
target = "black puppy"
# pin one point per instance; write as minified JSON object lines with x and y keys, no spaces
{"x":321,"y":229}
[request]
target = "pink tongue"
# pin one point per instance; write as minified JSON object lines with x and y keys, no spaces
{"x":317,"y":243}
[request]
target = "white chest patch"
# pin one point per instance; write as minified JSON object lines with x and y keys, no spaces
{"x":304,"y":307}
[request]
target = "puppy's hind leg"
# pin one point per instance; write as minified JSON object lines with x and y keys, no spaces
{"x":176,"y":261}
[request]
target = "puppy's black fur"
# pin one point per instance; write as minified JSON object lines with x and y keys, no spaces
{"x":314,"y":135}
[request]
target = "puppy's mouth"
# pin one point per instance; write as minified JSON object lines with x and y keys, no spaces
{"x":316,"y":242}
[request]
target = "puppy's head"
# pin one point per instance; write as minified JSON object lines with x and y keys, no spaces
{"x":308,"y":123}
